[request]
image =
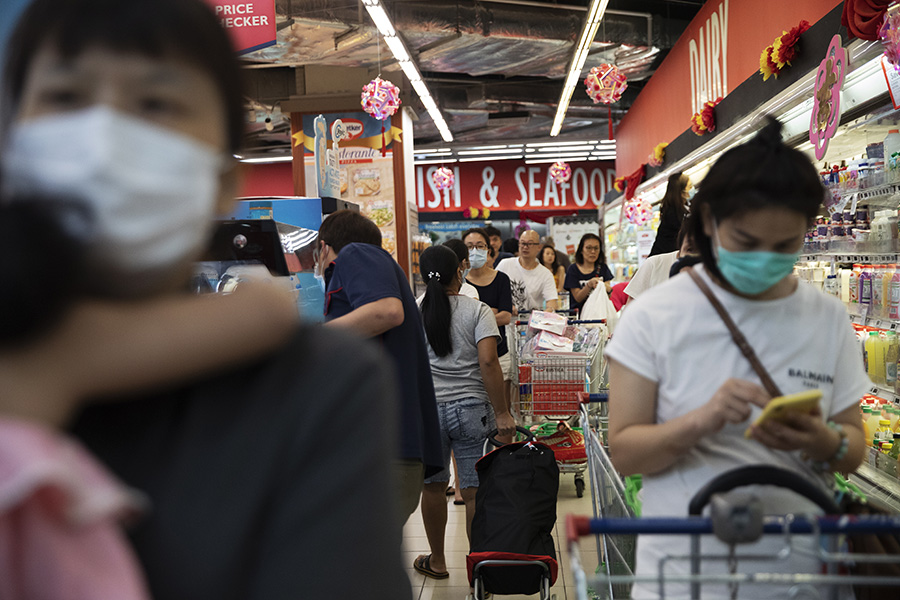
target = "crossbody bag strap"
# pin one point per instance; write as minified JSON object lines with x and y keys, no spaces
{"x":737,"y":336}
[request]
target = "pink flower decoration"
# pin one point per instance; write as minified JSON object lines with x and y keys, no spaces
{"x":826,"y":112}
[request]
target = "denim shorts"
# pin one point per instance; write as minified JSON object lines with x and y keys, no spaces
{"x":465,"y":425}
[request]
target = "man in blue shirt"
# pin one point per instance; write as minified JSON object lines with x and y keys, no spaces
{"x":367,"y":292}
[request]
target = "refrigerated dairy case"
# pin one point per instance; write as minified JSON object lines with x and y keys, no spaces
{"x":278,"y":233}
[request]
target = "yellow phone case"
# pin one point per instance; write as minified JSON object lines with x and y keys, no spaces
{"x":778,"y":408}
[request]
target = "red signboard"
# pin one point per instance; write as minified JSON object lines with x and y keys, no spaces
{"x":514,"y":185}
{"x":716,"y":53}
{"x":250,"y":23}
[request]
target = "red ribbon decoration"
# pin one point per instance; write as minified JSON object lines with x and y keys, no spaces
{"x":634,"y":180}
{"x":609,"y":116}
{"x":863,"y":17}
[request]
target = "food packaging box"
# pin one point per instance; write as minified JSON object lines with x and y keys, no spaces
{"x":552,"y":342}
{"x":548,"y":321}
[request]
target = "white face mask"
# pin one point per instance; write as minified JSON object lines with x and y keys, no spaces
{"x":152,"y":191}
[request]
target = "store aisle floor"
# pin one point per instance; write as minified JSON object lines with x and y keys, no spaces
{"x":457,"y":586}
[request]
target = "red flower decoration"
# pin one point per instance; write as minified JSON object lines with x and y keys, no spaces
{"x":705,"y":121}
{"x":787,"y":50}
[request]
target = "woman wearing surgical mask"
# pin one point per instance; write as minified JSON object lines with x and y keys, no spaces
{"x":683,"y":395}
{"x":672,"y":212}
{"x":494,"y":290}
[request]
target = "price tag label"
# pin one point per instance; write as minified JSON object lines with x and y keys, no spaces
{"x":874,"y":391}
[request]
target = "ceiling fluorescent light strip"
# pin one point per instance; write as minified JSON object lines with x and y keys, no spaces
{"x":496,"y":151}
{"x":543,"y":144}
{"x":535,"y":161}
{"x":566,"y":149}
{"x":435,"y":162}
{"x":268,"y":159}
{"x":591,"y":24}
{"x":489,"y":158}
{"x":401,"y":54}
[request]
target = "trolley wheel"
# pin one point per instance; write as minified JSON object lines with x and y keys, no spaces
{"x":579,"y":487}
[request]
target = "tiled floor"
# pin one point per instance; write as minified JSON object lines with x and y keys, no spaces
{"x":457,"y":586}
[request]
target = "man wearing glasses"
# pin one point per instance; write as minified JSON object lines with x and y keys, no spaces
{"x":531,"y":282}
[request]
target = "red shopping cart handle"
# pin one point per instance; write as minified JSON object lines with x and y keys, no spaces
{"x":586,"y":398}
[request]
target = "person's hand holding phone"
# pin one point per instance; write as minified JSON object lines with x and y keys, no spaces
{"x":732,"y":403}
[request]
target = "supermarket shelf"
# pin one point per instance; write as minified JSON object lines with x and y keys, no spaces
{"x":875,"y":258}
{"x":876,"y":322}
{"x":879,"y":192}
{"x":878,"y":485}
{"x":886,"y":393}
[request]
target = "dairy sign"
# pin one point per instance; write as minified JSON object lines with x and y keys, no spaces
{"x":513,"y":185}
{"x":708,"y":52}
{"x":250,"y":24}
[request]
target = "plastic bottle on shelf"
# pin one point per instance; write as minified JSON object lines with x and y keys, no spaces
{"x":877,"y":291}
{"x":887,"y":272}
{"x":853,"y":284}
{"x":893,"y":417}
{"x":865,"y":290}
{"x":873,"y":419}
{"x":883,"y":434}
{"x":891,"y":147}
{"x":879,"y":232}
{"x":894,"y":303}
{"x":832,"y":286}
{"x":891,"y":354}
{"x":875,"y":358}
{"x":867,"y":431}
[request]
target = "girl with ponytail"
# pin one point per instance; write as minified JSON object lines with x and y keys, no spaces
{"x":684,"y":397}
{"x":468,"y":384}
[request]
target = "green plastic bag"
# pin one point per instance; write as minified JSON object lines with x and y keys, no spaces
{"x":633,"y":484}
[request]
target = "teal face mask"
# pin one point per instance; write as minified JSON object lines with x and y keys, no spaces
{"x":754,"y":272}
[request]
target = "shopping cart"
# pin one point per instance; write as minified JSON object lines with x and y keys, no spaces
{"x":549,"y":385}
{"x":736,"y":518}
{"x":611,"y":497}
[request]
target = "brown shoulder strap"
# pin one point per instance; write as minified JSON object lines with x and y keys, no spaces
{"x":736,"y":334}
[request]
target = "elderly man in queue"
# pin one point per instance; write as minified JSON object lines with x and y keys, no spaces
{"x":532,"y":284}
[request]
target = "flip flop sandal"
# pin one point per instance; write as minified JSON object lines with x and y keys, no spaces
{"x":459,"y":502}
{"x":422,"y":564}
{"x":451,"y":491}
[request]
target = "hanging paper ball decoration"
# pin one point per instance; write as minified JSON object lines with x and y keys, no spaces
{"x":560,"y":172}
{"x":638,"y":212}
{"x":443,"y":178}
{"x":643,"y":213}
{"x":485,"y":213}
{"x":605,"y":84}
{"x":380,"y":98}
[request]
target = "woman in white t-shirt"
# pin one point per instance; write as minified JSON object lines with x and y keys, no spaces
{"x":681,"y":392}
{"x":468,"y":384}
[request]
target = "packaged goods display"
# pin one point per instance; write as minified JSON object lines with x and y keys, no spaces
{"x":881,"y":425}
